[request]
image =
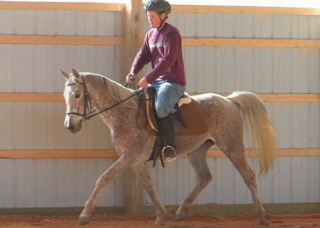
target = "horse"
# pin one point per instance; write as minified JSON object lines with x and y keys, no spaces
{"x":88,"y":94}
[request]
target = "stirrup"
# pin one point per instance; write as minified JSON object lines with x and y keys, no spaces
{"x":171,"y":157}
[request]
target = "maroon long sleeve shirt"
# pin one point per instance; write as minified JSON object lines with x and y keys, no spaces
{"x":163,"y":49}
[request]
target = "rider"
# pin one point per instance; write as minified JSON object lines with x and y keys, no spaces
{"x":162,"y":47}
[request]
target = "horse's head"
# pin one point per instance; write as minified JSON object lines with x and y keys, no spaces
{"x":75,"y":96}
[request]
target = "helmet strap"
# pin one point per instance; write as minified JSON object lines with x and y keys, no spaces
{"x":162,"y":21}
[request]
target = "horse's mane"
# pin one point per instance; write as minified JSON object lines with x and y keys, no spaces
{"x":114,"y":89}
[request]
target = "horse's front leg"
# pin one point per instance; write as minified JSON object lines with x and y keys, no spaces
{"x":142,"y":172}
{"x":122,"y":164}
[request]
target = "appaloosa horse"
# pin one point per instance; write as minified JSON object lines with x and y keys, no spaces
{"x":88,"y":94}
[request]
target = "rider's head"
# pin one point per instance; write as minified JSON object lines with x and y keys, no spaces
{"x":157,"y":12}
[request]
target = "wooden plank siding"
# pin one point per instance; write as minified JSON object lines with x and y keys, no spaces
{"x":61,"y":6}
{"x":245,"y":9}
{"x":62,"y":40}
{"x":60,"y":154}
{"x":7,"y":5}
{"x":189,"y":42}
{"x":58,"y":97}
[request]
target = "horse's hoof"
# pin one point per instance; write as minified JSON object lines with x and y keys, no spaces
{"x":263,"y":223}
{"x":84,"y":220}
{"x":159,"y":222}
{"x":180,"y":217}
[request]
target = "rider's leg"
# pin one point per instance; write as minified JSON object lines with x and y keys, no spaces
{"x":167,"y":96}
{"x":167,"y":130}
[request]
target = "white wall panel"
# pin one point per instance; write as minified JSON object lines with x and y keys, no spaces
{"x":40,"y":126}
{"x":66,"y":182}
{"x":267,"y":70}
{"x":239,"y":25}
{"x":35,"y":68}
{"x":291,"y":180}
{"x":296,"y":124}
{"x":67,"y":23}
{"x":55,"y":183}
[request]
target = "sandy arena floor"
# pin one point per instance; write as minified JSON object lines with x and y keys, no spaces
{"x":311,"y":220}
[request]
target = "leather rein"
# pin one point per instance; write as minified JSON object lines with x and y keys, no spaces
{"x":86,"y":100}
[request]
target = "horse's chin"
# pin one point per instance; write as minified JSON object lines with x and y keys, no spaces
{"x":73,"y":130}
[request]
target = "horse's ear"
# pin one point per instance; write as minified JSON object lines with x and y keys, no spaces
{"x":64,"y":74}
{"x":76,"y":73}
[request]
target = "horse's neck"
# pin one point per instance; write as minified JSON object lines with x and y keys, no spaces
{"x":116,"y":115}
{"x":98,"y":91}
{"x":103,"y":95}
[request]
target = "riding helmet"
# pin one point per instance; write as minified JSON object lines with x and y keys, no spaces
{"x":159,"y":6}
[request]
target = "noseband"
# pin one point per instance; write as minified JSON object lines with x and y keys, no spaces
{"x":86,"y":101}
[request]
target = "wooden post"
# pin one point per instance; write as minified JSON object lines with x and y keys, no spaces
{"x":134,"y":31}
{"x":133,"y":195}
{"x":134,"y":38}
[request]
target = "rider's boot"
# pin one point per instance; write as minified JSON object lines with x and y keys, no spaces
{"x":169,"y":151}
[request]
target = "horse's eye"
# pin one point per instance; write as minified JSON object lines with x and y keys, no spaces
{"x":77,"y":95}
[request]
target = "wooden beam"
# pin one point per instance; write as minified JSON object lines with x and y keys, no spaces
{"x":58,"y":97}
{"x":200,"y":9}
{"x":57,"y":154}
{"x":215,"y":153}
{"x":110,"y":153}
{"x":62,"y":40}
{"x":294,"y":98}
{"x":247,"y":43}
{"x":61,"y":6}
{"x":31,"y":97}
{"x":134,"y":32}
{"x":135,"y":36}
{"x":133,"y":184}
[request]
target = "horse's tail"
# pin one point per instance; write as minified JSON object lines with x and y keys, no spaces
{"x":259,"y":126}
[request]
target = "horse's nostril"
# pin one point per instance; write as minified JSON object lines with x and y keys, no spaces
{"x":70,"y":126}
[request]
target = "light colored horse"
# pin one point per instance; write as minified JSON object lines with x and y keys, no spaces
{"x":226,"y":118}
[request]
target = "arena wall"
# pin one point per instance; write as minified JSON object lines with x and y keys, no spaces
{"x":271,"y":51}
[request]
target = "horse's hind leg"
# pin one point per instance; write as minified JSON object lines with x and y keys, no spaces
{"x":123,"y":163}
{"x":198,"y":161}
{"x":238,"y":159}
{"x":142,"y":172}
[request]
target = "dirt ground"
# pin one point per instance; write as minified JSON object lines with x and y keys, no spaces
{"x":311,"y":220}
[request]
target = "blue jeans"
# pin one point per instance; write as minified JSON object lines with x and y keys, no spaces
{"x":167,"y":96}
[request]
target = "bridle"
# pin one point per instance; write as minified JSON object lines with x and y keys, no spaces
{"x":86,"y":100}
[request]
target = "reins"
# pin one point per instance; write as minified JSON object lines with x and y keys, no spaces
{"x":92,"y":114}
{"x":95,"y":112}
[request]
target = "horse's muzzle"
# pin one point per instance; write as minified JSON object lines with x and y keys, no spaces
{"x":71,"y":125}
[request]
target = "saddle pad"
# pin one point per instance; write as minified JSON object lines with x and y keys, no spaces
{"x":191,"y":114}
{"x":194,"y":118}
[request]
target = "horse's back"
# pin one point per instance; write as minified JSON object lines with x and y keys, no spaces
{"x":219,"y":111}
{"x":213,"y":102}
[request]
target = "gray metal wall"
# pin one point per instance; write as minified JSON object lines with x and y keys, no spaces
{"x":293,"y":180}
{"x":69,"y":182}
{"x":39,"y":126}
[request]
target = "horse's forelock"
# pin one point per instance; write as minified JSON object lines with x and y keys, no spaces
{"x":73,"y":80}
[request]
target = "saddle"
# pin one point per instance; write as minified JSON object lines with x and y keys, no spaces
{"x":189,"y":120}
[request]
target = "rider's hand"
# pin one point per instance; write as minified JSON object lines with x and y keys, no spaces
{"x":143,"y":83}
{"x":130,"y":78}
